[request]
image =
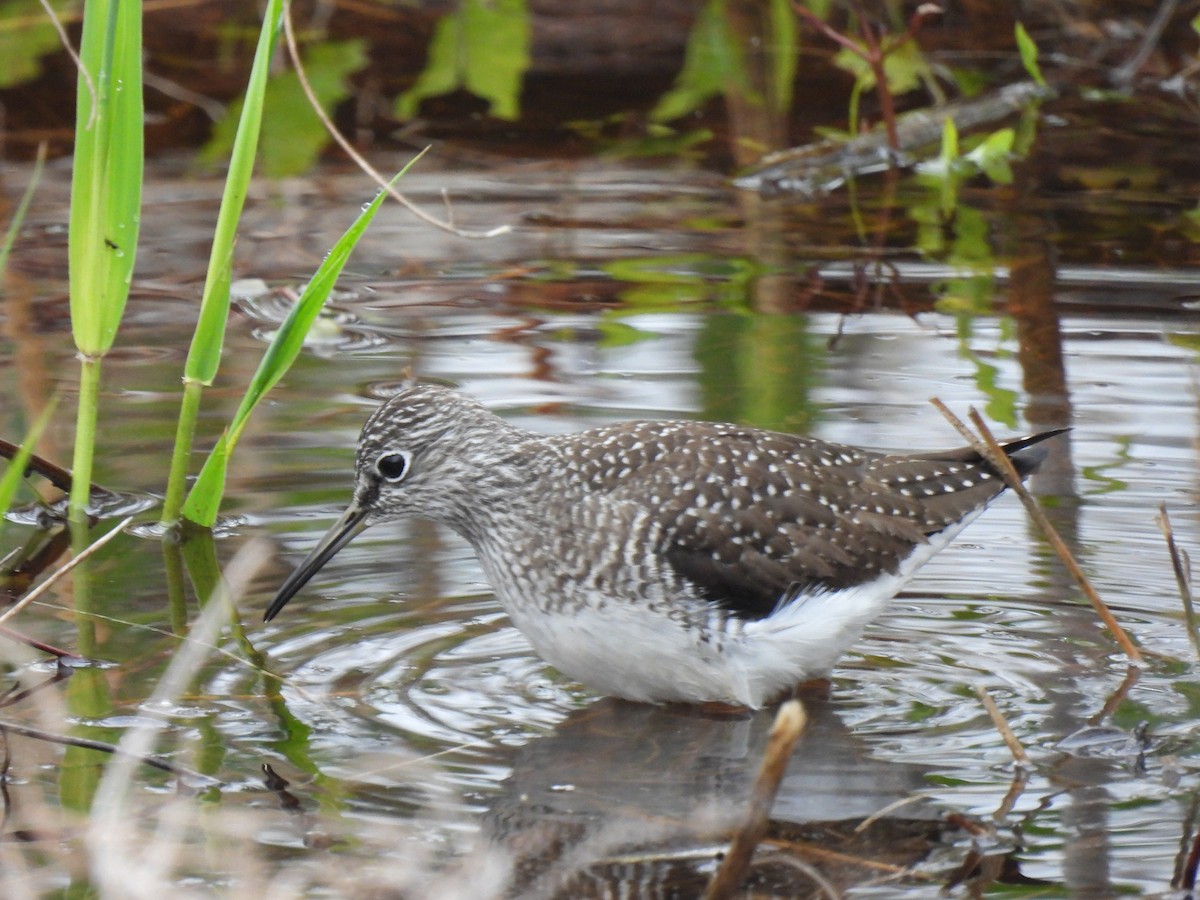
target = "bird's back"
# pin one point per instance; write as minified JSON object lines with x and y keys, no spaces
{"x":746,"y":517}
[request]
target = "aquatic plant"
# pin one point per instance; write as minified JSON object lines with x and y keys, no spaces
{"x":106,"y":196}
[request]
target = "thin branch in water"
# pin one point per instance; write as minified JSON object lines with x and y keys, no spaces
{"x":359,"y":159}
{"x":60,"y":572}
{"x":986,"y":446}
{"x":1020,"y":757}
{"x":54,"y":473}
{"x":1116,"y":698}
{"x":1015,"y":790}
{"x":16,"y":696}
{"x":156,"y":762}
{"x":1188,"y":856}
{"x":790,"y":722}
{"x":17,"y":637}
{"x":1182,"y":564}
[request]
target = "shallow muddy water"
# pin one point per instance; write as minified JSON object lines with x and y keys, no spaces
{"x":412,"y":739}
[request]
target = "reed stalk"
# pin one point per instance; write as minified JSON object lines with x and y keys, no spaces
{"x":106,"y":196}
{"x":204,"y":355}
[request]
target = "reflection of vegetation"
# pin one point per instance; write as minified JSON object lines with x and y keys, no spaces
{"x":1002,"y":402}
{"x":760,"y":370}
{"x":482,"y":48}
{"x":1105,"y":483}
{"x":953,"y":233}
{"x":666,"y":282}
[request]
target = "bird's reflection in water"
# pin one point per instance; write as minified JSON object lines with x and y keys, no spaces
{"x":632,"y":800}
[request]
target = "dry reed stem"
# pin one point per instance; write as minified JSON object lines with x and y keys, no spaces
{"x":789,"y":725}
{"x":987,"y":447}
{"x":1020,"y":757}
{"x":63,"y":570}
{"x":359,"y":159}
{"x":1182,"y":564}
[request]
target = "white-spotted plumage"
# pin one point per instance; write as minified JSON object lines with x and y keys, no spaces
{"x":667,"y":561}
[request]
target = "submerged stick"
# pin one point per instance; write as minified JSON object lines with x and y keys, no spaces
{"x":156,"y":762}
{"x":789,"y":725}
{"x":987,"y":447}
{"x":1182,"y":565}
{"x":54,"y":473}
{"x":1020,"y":757}
{"x":63,"y":570}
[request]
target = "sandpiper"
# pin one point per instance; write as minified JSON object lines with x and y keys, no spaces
{"x":673,"y":560}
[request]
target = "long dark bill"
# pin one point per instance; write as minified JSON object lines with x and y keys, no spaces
{"x":352,"y":521}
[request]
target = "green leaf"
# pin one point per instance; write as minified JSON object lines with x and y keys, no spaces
{"x":205,"y":497}
{"x":18,"y":219}
{"x":293,"y":136}
{"x":949,"y":155}
{"x":26,"y":35}
{"x":483,"y":48}
{"x":785,"y":53}
{"x":106,"y":185}
{"x":205,"y":353}
{"x":1029,"y":54}
{"x":713,"y":63}
{"x":15,"y":473}
{"x":993,"y":154}
{"x":905,"y":67}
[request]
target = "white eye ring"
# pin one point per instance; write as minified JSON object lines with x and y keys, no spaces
{"x":392,"y":465}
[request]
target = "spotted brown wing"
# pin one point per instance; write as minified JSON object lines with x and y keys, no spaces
{"x":750,"y":519}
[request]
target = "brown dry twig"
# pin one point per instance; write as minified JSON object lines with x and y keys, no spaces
{"x":63,"y":570}
{"x":789,"y":725}
{"x":16,"y":636}
{"x":52,"y":472}
{"x":986,"y":446}
{"x":1182,"y":564}
{"x":359,"y":159}
{"x":156,"y":762}
{"x":1020,"y":757}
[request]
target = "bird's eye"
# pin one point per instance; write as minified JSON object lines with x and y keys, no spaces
{"x":392,"y":466}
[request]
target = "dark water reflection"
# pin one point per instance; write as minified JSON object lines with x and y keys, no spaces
{"x":422,"y":744}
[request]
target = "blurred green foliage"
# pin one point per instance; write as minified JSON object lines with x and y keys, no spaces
{"x":292,"y":135}
{"x":26,"y":35}
{"x":483,"y":48}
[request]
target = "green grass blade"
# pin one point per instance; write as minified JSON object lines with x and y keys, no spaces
{"x":205,"y":353}
{"x":106,"y":196}
{"x":205,"y":496}
{"x":13,"y":475}
{"x":18,"y":219}
{"x":106,"y":185}
{"x":204,"y":356}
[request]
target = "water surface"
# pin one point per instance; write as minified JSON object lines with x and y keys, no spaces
{"x":410,"y":736}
